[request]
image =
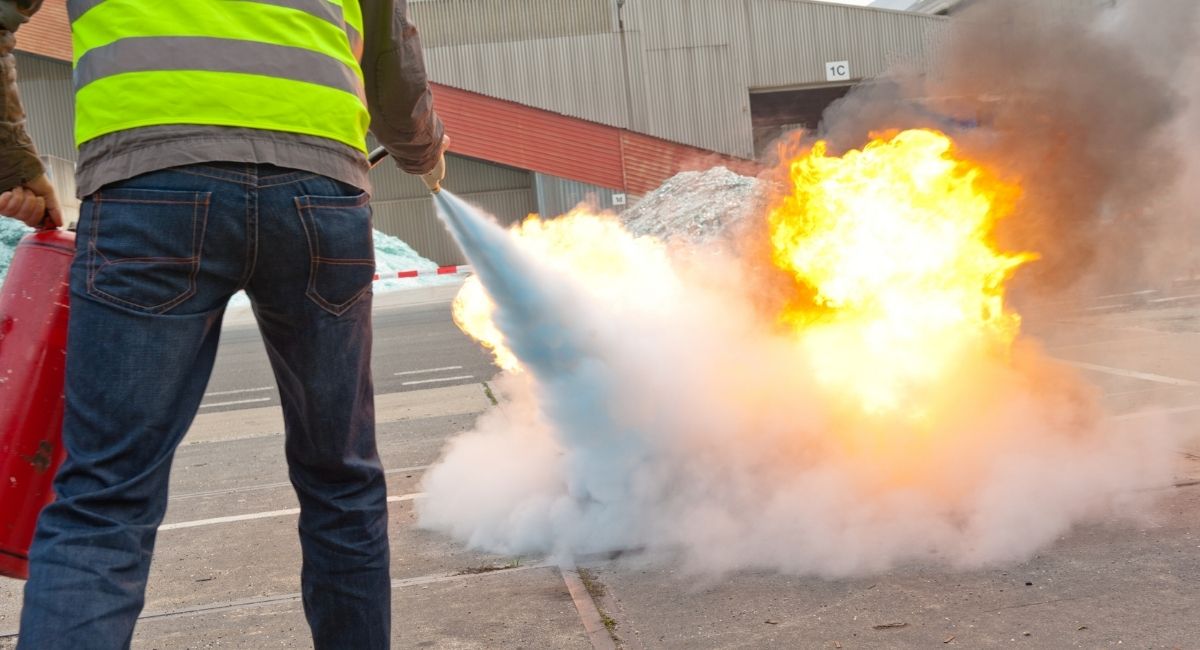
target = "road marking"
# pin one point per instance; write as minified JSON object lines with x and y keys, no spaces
{"x":1133,"y":374}
{"x":1144,"y":414}
{"x":437,"y":381}
{"x":239,"y":401}
{"x":1145,"y":335}
{"x":1188,"y":297}
{"x":1143,"y":292}
{"x":260,"y":601}
{"x":400,"y":583}
{"x":427,"y":371}
{"x":260,"y":515}
{"x":272,"y":486}
{"x":237,"y":392}
{"x":1126,"y":393}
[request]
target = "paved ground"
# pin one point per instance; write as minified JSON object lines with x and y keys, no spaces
{"x":416,"y":347}
{"x":225,"y":575}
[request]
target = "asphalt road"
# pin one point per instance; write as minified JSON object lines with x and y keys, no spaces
{"x":416,"y":346}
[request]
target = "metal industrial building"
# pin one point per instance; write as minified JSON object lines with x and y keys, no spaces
{"x":550,"y":102}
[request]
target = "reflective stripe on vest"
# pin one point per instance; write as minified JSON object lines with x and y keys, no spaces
{"x":282,"y":65}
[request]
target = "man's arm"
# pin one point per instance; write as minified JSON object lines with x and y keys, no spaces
{"x":26,"y":193}
{"x":18,"y":157}
{"x":398,"y":97}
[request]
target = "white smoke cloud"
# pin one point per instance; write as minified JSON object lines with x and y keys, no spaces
{"x":687,"y":425}
{"x":663,"y":412}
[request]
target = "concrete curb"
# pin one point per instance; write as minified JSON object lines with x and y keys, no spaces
{"x":589,"y":614}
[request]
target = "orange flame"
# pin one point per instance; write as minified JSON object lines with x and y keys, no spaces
{"x":893,"y":240}
{"x":472,"y":311}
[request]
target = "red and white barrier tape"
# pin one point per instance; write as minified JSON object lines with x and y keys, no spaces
{"x":441,"y":270}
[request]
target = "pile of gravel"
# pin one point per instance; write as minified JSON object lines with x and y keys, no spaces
{"x":11,"y":232}
{"x":693,"y":206}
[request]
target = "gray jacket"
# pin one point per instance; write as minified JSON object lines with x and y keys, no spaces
{"x":18,"y":158}
{"x":398,"y":98}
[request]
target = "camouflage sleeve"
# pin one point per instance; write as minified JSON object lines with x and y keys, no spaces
{"x":18,"y":158}
{"x":398,"y":95}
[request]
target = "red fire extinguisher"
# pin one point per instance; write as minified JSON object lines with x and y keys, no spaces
{"x":33,"y":344}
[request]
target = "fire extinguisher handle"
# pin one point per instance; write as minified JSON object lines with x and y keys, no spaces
{"x":376,"y":156}
{"x":46,"y":225}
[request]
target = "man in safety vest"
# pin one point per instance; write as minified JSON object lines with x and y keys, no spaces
{"x":222,"y":148}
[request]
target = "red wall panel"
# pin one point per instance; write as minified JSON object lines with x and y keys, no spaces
{"x":48,"y":33}
{"x":530,"y":138}
{"x":569,"y":147}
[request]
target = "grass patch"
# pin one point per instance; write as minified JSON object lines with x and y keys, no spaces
{"x":487,"y":390}
{"x":489,"y":568}
{"x":596,"y":590}
{"x":593,"y":586}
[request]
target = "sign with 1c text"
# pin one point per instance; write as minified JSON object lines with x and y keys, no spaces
{"x":837,"y":71}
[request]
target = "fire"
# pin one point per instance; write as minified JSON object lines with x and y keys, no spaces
{"x":893,"y":242}
{"x":618,"y":269}
{"x":472,"y":311}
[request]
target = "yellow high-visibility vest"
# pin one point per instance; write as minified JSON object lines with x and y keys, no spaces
{"x":279,"y":65}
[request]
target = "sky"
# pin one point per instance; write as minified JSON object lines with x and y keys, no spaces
{"x":886,"y":5}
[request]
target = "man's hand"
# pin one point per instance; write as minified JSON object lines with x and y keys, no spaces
{"x":433,"y":178}
{"x":33,"y":203}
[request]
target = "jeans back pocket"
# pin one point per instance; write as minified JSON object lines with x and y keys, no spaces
{"x":143,"y":246}
{"x":341,"y":249}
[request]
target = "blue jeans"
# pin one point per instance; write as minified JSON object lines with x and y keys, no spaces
{"x":158,"y":257}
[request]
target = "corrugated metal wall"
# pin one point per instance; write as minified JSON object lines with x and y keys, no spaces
{"x":803,"y":37}
{"x":62,"y":175}
{"x":557,"y":196}
{"x":49,"y":102}
{"x":578,"y":75}
{"x":682,"y":69}
{"x":698,"y":60}
{"x":458,"y":22}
